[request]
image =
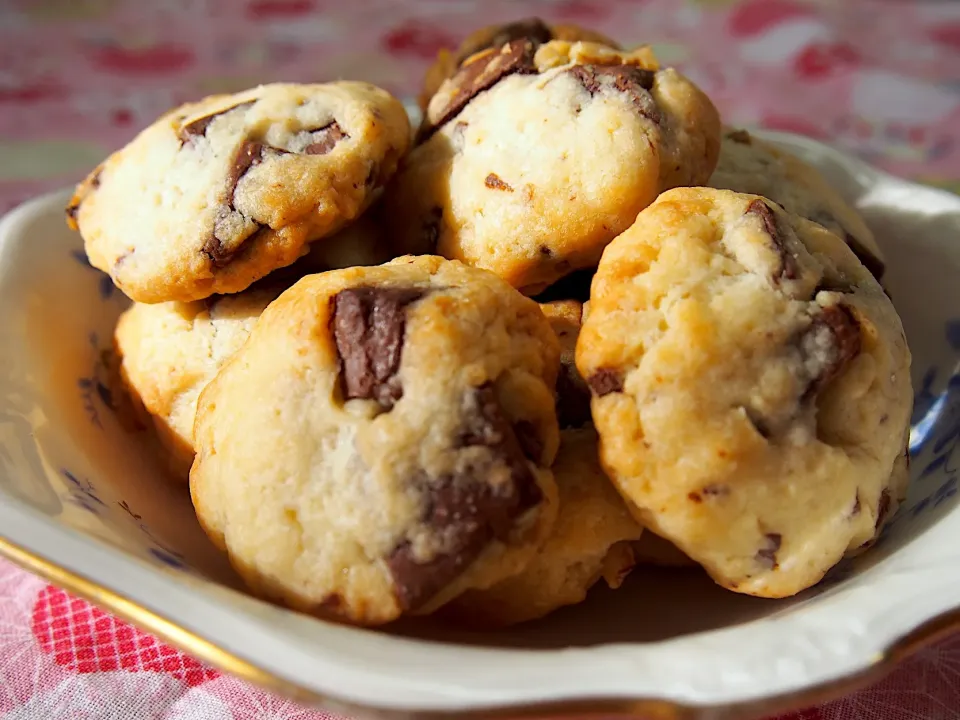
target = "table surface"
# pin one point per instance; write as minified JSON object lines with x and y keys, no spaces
{"x":78,"y":78}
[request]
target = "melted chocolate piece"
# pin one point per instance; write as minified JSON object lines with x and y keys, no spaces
{"x":368,"y":327}
{"x":325,"y":138}
{"x":740,"y":136}
{"x":788,"y":264}
{"x":467,"y":510}
{"x":633,"y":81}
{"x":250,"y":153}
{"x":605,"y":381}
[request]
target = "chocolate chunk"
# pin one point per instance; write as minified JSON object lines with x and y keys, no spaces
{"x":467,"y":510}
{"x":829,"y":344}
{"x":694,"y":497}
{"x":494,"y":182}
{"x":95,"y":177}
{"x":431,"y":230}
{"x":249,"y":154}
{"x":575,"y":286}
{"x":368,"y":327}
{"x":631,"y":80}
{"x":870,"y":261}
{"x":481,"y":73}
{"x":740,"y":136}
{"x":573,"y":399}
{"x":324,"y":139}
{"x":532,"y":29}
{"x":788,"y":264}
{"x":71,"y":212}
{"x":198,"y":127}
{"x":605,"y":381}
{"x":767,"y":555}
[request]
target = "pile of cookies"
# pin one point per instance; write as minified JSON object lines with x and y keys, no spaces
{"x":567,"y":325}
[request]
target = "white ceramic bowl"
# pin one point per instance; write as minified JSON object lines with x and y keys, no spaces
{"x":83,"y":501}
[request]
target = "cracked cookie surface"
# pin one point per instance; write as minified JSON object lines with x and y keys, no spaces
{"x":533,"y":157}
{"x":751,"y":388}
{"x":217,"y":194}
{"x":747,"y":164}
{"x":383,"y":440}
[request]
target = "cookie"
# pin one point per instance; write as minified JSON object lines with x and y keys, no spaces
{"x":217,"y":194}
{"x":382,"y":442}
{"x":750,"y":165}
{"x":169,"y":351}
{"x":534,"y":158}
{"x":751,"y":388}
{"x":533,"y":29}
{"x":593,"y":535}
{"x":590,"y":541}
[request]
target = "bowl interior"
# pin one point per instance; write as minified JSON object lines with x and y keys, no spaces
{"x":68,"y":454}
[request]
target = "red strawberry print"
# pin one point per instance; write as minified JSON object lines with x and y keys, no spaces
{"x":279,"y":9}
{"x":159,"y":59}
{"x":820,"y":60}
{"x":755,"y":16}
{"x":947,"y":34}
{"x":417,"y":39}
{"x":85,"y":639}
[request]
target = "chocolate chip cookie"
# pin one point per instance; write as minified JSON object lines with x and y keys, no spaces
{"x":533,"y":29}
{"x":750,"y":165}
{"x":532,"y":158}
{"x":170,"y":351}
{"x":382,"y":442}
{"x":217,"y":194}
{"x":751,"y":387}
{"x":592,"y":536}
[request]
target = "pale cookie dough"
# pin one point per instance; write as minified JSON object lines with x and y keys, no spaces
{"x":533,"y":29}
{"x":383,"y":440}
{"x":751,"y":386}
{"x":534,"y":157}
{"x":217,"y":194}
{"x":750,"y":165}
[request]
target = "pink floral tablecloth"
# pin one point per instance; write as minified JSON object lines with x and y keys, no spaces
{"x":79,"y":77}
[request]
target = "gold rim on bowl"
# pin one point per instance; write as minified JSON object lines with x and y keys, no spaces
{"x":883,"y":663}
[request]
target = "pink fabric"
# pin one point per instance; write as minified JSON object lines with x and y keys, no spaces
{"x":78,"y":79}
